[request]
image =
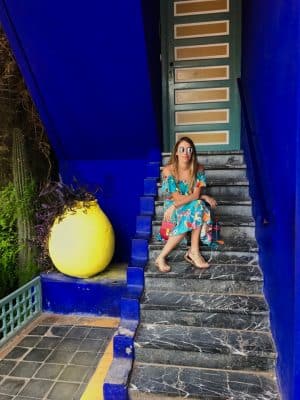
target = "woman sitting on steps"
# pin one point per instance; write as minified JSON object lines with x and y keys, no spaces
{"x":184,"y":205}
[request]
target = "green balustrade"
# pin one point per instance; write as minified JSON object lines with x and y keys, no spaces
{"x":19,"y":308}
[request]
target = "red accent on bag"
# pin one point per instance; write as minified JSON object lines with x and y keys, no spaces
{"x":165,"y":229}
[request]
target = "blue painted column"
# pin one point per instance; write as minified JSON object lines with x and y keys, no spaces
{"x":270,"y":76}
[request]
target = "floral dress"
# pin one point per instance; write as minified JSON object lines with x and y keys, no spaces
{"x":191,"y":215}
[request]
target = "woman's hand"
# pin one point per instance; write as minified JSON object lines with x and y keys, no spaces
{"x":210,"y":200}
{"x":168,"y":213}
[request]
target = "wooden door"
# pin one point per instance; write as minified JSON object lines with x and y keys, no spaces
{"x":200,"y":65}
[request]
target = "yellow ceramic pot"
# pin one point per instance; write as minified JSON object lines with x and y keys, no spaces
{"x":82,"y":243}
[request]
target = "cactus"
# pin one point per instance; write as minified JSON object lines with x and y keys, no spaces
{"x":22,"y":181}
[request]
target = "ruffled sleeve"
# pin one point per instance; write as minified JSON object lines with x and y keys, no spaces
{"x":169,"y":185}
{"x":200,"y":179}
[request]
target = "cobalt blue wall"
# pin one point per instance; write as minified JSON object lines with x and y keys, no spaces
{"x":94,"y":72}
{"x":119,"y":184}
{"x":271,"y":83}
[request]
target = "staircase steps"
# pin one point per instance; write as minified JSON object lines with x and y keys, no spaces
{"x":205,"y":302}
{"x":205,"y":334}
{"x":205,"y":347}
{"x":225,"y":207}
{"x":219,"y":172}
{"x":245,"y":247}
{"x":165,"y":382}
{"x":230,"y":231}
{"x":223,"y":188}
{"x":222,"y":158}
{"x":220,"y":278}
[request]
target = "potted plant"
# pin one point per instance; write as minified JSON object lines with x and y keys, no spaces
{"x":73,"y":230}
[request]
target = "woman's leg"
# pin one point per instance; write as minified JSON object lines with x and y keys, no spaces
{"x":172,"y":242}
{"x":195,"y":238}
{"x":194,"y":254}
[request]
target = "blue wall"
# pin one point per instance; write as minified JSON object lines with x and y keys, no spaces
{"x":119,"y":184}
{"x":271,"y":83}
{"x":94,"y":72}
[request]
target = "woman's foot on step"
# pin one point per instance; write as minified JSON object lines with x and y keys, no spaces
{"x":161,"y":265}
{"x":196,"y":259}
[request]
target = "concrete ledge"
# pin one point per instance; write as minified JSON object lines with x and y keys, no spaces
{"x":100,"y":295}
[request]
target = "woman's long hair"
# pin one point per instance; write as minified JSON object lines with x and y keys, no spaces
{"x":193,"y":162}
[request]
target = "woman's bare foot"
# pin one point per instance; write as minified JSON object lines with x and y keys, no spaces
{"x":196,"y":259}
{"x":161,"y":265}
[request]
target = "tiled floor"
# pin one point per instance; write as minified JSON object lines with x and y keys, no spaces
{"x":54,"y":358}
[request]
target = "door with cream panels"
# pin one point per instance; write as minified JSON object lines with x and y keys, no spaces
{"x":200,"y":65}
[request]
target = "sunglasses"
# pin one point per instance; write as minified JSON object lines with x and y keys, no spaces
{"x":187,"y":150}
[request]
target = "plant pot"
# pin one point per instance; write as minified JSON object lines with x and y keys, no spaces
{"x":81,"y":242}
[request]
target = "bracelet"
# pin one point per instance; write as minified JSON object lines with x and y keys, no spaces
{"x":174,"y":205}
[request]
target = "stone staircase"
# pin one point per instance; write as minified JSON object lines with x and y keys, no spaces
{"x":206,"y":334}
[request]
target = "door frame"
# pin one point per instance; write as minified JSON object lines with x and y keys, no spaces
{"x":168,"y":90}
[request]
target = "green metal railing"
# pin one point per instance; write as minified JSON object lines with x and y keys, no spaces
{"x":19,"y":308}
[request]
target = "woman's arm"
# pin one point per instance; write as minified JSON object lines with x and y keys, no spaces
{"x":181,"y":199}
{"x":210,"y":200}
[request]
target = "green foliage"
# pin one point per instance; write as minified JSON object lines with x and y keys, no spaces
{"x":11,"y":276}
{"x":26,"y":206}
{"x":8,"y":240}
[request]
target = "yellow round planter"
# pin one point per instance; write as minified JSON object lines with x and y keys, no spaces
{"x":82,"y":243}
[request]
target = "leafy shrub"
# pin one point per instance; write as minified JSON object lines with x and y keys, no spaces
{"x":11,"y":275}
{"x":8,"y":240}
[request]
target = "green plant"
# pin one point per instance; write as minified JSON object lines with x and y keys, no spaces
{"x":11,"y":276}
{"x":24,"y":192}
{"x":25,"y":154}
{"x":8,"y":240}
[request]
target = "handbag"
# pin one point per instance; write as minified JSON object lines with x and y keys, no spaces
{"x":165,"y":229}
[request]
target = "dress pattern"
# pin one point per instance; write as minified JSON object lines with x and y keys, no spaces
{"x":188,"y":216}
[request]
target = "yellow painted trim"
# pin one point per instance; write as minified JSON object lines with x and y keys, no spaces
{"x":94,"y":389}
{"x":71,"y":319}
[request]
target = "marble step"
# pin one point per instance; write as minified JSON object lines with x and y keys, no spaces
{"x":224,"y":172}
{"x":207,"y":302}
{"x":228,"y":231}
{"x":218,"y":256}
{"x":222,"y":319}
{"x":232,"y":208}
{"x":204,"y":347}
{"x":222,"y":188}
{"x":165,"y":382}
{"x":226,"y":278}
{"x":242,"y":246}
{"x":222,"y":158}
